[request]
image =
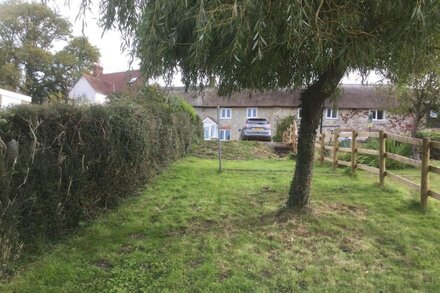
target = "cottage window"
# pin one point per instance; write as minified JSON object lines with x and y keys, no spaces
{"x":225,"y":134}
{"x":225,"y":113}
{"x":331,"y":113}
{"x":377,"y":115}
{"x":251,"y":113}
{"x":210,"y":130}
{"x":433,"y":114}
{"x":299,"y":113}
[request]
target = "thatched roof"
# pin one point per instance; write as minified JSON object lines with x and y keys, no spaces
{"x":349,"y":97}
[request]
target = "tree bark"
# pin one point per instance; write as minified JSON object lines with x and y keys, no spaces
{"x":312,"y":100}
{"x":415,"y":127}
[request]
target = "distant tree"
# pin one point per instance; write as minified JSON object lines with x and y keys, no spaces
{"x":419,"y":95}
{"x":270,"y":44}
{"x":70,"y":64}
{"x":28,"y":32}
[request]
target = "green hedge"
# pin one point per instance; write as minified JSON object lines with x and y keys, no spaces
{"x":434,"y":134}
{"x":75,"y":162}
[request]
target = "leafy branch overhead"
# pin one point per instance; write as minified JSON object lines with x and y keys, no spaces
{"x":269,"y":44}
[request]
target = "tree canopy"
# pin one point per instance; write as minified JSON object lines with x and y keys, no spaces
{"x":28,"y":32}
{"x":272,"y":44}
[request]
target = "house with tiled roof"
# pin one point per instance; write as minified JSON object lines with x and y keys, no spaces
{"x":94,"y":88}
{"x":355,"y":107}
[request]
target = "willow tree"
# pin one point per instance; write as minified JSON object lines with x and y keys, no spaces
{"x":267,"y":44}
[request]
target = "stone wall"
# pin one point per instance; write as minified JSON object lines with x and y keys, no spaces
{"x":354,"y":119}
{"x":238,"y":117}
{"x":348,"y":119}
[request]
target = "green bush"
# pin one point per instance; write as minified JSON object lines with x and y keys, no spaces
{"x":435,"y":136}
{"x":391,"y":146}
{"x":75,"y":162}
{"x":282,"y":126}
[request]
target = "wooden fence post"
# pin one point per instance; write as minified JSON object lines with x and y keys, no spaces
{"x":335,"y":150}
{"x":382,"y":168}
{"x":425,"y":172}
{"x":322,"y":150}
{"x":353,"y":151}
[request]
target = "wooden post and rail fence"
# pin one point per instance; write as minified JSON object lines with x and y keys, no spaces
{"x":290,"y":137}
{"x":423,"y":164}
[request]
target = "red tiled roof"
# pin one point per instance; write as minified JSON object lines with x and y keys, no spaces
{"x":114,"y":82}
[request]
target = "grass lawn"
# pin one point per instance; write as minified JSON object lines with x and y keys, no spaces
{"x":197,"y":230}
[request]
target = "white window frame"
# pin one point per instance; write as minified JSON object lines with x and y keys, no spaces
{"x":252,"y":110}
{"x":433,"y":114}
{"x":298,"y":114}
{"x":212,"y":128}
{"x":375,"y":114}
{"x":222,"y":134}
{"x":332,"y":111}
{"x":224,"y":112}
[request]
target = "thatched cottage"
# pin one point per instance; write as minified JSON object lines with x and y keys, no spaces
{"x":355,"y":107}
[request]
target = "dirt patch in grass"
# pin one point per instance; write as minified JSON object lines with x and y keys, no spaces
{"x":103,"y":264}
{"x":126,"y":248}
{"x":325,"y":208}
{"x":137,"y":236}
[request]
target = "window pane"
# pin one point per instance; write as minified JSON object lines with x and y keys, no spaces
{"x":379,"y":115}
{"x":206,"y":128}
{"x":251,"y":112}
{"x":329,"y":113}
{"x":228,"y":135}
{"x":225,"y":113}
{"x":334,"y":113}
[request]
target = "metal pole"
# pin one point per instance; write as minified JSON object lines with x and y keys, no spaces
{"x":219,"y":141}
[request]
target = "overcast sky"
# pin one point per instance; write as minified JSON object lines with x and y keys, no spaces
{"x":109,"y":44}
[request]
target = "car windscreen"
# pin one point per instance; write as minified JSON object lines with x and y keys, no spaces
{"x":257,"y":121}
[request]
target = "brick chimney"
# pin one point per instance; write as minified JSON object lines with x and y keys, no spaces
{"x":97,"y":70}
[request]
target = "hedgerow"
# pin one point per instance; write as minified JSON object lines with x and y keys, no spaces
{"x":76,"y":161}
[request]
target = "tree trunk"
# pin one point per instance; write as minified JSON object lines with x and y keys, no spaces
{"x":311,"y":106}
{"x":415,"y":127}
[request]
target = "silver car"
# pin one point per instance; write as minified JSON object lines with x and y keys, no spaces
{"x":256,"y":129}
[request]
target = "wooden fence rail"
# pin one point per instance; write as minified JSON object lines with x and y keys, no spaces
{"x":290,"y":137}
{"x":423,"y":164}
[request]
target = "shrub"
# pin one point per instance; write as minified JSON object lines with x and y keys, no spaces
{"x":373,"y":161}
{"x":282,"y":126}
{"x":391,"y":146}
{"x":434,"y":135}
{"x":75,"y":162}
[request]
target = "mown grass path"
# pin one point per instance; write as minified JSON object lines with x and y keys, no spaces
{"x":197,"y":230}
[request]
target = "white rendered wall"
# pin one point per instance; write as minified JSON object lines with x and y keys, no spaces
{"x":8,"y":98}
{"x":100,"y":98}
{"x":82,"y":91}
